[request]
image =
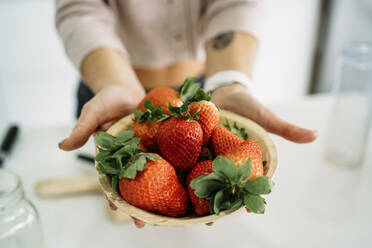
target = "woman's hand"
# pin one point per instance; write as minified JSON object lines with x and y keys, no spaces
{"x":106,"y":107}
{"x":236,"y":98}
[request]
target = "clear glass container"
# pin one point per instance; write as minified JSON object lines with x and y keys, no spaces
{"x":19,"y":220}
{"x":350,"y":119}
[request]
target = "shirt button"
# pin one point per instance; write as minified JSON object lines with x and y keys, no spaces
{"x":173,"y":2}
{"x":178,"y":38}
{"x":179,"y":41}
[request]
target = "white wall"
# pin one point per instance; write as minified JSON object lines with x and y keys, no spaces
{"x":37,"y":83}
{"x":285,"y":58}
{"x":36,"y":80}
{"x":351,"y":21}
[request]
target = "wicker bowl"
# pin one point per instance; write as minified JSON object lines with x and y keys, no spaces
{"x":254,"y":131}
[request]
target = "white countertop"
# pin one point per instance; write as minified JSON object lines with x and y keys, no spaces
{"x":312,"y":205}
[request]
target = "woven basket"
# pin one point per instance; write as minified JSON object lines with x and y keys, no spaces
{"x":254,"y":131}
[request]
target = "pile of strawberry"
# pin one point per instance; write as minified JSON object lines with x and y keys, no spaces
{"x":177,"y":154}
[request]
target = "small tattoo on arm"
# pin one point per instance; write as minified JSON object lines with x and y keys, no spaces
{"x":222,"y":40}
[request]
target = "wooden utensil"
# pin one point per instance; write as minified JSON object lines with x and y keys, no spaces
{"x":68,"y":186}
{"x":254,"y":131}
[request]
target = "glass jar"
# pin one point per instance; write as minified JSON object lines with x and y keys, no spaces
{"x":351,"y":117}
{"x":19,"y":220}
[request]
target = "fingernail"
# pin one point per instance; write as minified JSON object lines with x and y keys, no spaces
{"x":111,"y":205}
{"x":138,"y":223}
{"x":61,"y":143}
{"x":139,"y":226}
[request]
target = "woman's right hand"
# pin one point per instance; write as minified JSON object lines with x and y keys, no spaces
{"x":104,"y":109}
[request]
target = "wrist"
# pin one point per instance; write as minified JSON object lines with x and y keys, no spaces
{"x":107,"y":67}
{"x":230,"y":89}
{"x":226,"y":96}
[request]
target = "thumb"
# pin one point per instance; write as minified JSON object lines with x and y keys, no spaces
{"x":86,"y":125}
{"x":274,"y":124}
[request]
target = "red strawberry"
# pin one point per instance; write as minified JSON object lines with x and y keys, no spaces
{"x":161,"y":97}
{"x":208,"y":117}
{"x":201,"y":205}
{"x":156,"y":188}
{"x":180,"y":142}
{"x":147,"y":132}
{"x":140,"y":145}
{"x":224,"y":140}
{"x":147,"y":124}
{"x":249,"y":149}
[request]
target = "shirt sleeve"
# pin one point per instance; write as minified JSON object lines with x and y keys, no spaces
{"x":86,"y":25}
{"x":223,"y":16}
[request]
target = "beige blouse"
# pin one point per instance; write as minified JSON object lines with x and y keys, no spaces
{"x":152,"y":33}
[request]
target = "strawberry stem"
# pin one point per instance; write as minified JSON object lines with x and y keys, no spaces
{"x":228,"y":188}
{"x":120,"y":157}
{"x":183,"y":112}
{"x":151,"y":114}
{"x":191,"y":91}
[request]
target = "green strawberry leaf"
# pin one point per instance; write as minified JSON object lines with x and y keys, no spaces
{"x":104,"y":140}
{"x":102,"y":156}
{"x":191,"y":91}
{"x":183,"y":112}
{"x":218,"y":200}
{"x":121,"y":156}
{"x":124,"y":137}
{"x":114,"y":182}
{"x":235,"y":129}
{"x":148,"y":105}
{"x":225,"y":168}
{"x":100,"y":168}
{"x":151,"y":114}
{"x":137,"y":112}
{"x":150,"y":156}
{"x":236,"y":203}
{"x":109,"y":167}
{"x":138,"y":163}
{"x":127,"y":149}
{"x":200,"y":95}
{"x":259,"y":185}
{"x":244,"y":171}
{"x":255,"y":203}
{"x":205,"y":186}
{"x":188,"y":88}
{"x":211,"y":204}
{"x":227,"y":187}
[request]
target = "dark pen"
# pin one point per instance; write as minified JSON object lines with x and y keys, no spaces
{"x":86,"y":157}
{"x":8,"y":142}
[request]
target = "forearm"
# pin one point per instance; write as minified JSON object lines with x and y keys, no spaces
{"x":231,"y":51}
{"x":107,"y":66}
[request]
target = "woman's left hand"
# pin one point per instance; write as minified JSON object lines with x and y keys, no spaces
{"x":236,"y":98}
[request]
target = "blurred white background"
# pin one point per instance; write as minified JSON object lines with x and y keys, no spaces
{"x":37,"y":82}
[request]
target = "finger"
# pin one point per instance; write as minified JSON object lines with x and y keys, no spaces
{"x":138,"y":223}
{"x":107,"y":125}
{"x":86,"y":125}
{"x":291,"y":132}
